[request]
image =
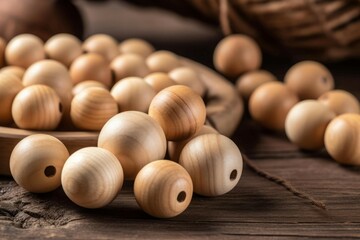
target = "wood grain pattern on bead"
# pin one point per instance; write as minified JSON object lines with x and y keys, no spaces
{"x":102,"y":44}
{"x":129,"y":65}
{"x":87,"y":84}
{"x":15,"y":70}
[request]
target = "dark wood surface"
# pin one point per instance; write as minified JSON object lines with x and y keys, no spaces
{"x":256,"y":208}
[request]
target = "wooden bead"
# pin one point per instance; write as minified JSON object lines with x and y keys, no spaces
{"x":135,"y":138}
{"x":179,"y":111}
{"x":133,"y":93}
{"x":92,"y":177}
{"x":309,"y":79}
{"x":188,"y":77}
{"x":102,"y":44}
{"x":340,"y":102}
{"x":2,"y":51}
{"x":87,"y":84}
{"x":24,"y":50}
{"x":270,"y":103}
{"x":214,"y":163}
{"x":237,"y":54}
{"x":306,"y":122}
{"x":342,"y":138}
{"x":163,"y":189}
{"x":37,"y":161}
{"x":92,"y":108}
{"x":64,"y":48}
{"x":137,"y":46}
{"x":17,"y":71}
{"x":247,"y":83}
{"x":91,"y":66}
{"x":162,"y":61}
{"x":10,"y":86}
{"x":129,"y":65}
{"x":159,"y":80}
{"x":37,"y":107}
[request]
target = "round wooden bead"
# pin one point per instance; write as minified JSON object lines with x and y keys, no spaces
{"x":214,"y":163}
{"x":37,"y":107}
{"x":270,"y":103}
{"x":37,"y":161}
{"x":15,"y":70}
{"x":342,"y":138}
{"x":102,"y":44}
{"x":92,"y":108}
{"x":87,"y":84}
{"x":91,"y":66}
{"x":92,"y":177}
{"x":64,"y":48}
{"x":129,"y":65}
{"x":306,"y":122}
{"x":179,"y":111}
{"x":2,"y":51}
{"x":159,"y":80}
{"x":248,"y":82}
{"x":309,"y":79}
{"x":340,"y":102}
{"x":10,"y":86}
{"x":188,"y":77}
{"x":135,"y":138}
{"x":24,"y":50}
{"x":133,"y":93}
{"x":162,"y":61}
{"x":137,"y":46}
{"x":163,"y":189}
{"x":237,"y":54}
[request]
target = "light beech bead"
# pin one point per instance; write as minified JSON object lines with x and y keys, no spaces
{"x":15,"y":70}
{"x":306,"y":123}
{"x":133,"y":93}
{"x":188,"y":77}
{"x":37,"y":107}
{"x":87,"y":84}
{"x":102,"y":44}
{"x":340,"y":102}
{"x":137,"y":46}
{"x":37,"y":161}
{"x":92,"y":177}
{"x":175,"y":148}
{"x":179,"y":111}
{"x":309,"y":79}
{"x":10,"y":86}
{"x":342,"y":138}
{"x":162,"y":61}
{"x":24,"y":50}
{"x":237,"y":54}
{"x":246,"y":84}
{"x":64,"y":48}
{"x":2,"y":51}
{"x":92,"y":108}
{"x":270,"y":103}
{"x":163,"y":189}
{"x":135,"y":138}
{"x":91,"y":66}
{"x":214,"y":163}
{"x":129,"y":65}
{"x":159,"y":80}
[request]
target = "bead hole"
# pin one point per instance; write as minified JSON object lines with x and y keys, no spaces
{"x":60,"y":107}
{"x":181,"y":196}
{"x":233,"y":175}
{"x":50,"y":171}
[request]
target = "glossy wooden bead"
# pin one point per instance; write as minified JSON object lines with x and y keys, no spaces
{"x":342,"y":138}
{"x":270,"y":103}
{"x":92,"y":108}
{"x":162,"y":61}
{"x":91,"y":66}
{"x":137,"y":46}
{"x":309,"y":79}
{"x":102,"y":44}
{"x":163,"y":189}
{"x":180,"y":112}
{"x":17,"y":71}
{"x":37,"y":107}
{"x":159,"y":80}
{"x":135,"y":138}
{"x":306,"y":123}
{"x":133,"y":93}
{"x":24,"y":50}
{"x":92,"y":177}
{"x":64,"y":48}
{"x":340,"y":102}
{"x":37,"y":161}
{"x":87,"y":84}
{"x":188,"y":77}
{"x":2,"y":51}
{"x":129,"y":65}
{"x":214,"y":163}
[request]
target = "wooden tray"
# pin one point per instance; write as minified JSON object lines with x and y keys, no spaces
{"x":223,"y":104}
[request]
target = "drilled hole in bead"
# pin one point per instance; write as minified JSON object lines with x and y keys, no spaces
{"x":50,"y":171}
{"x":181,"y":196}
{"x":60,"y":107}
{"x":233,"y":175}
